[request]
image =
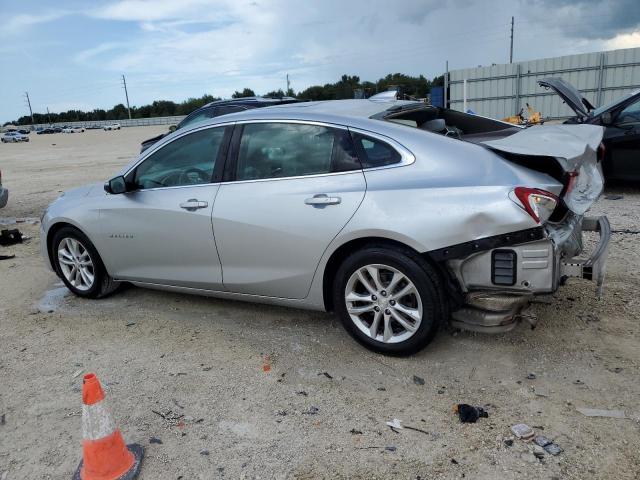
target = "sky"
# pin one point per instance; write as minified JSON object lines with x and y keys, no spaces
{"x":72,"y":54}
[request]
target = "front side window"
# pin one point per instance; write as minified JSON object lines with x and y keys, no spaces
{"x":188,"y":160}
{"x":276,"y":150}
{"x":375,"y":153}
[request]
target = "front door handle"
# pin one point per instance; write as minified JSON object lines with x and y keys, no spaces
{"x":322,"y":199}
{"x":193,"y":204}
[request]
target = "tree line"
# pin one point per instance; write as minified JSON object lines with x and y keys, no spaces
{"x":349,"y":86}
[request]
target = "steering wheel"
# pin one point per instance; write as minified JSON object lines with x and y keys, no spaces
{"x":194,"y":176}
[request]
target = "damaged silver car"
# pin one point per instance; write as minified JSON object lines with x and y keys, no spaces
{"x":398,"y":216}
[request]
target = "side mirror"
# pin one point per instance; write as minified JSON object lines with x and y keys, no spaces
{"x":116,"y":185}
{"x":173,"y":128}
{"x":606,"y":118}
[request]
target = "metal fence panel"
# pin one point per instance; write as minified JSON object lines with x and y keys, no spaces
{"x":500,"y":91}
{"x":134,"y":122}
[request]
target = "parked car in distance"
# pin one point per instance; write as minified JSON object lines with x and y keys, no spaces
{"x":4,"y":193}
{"x":14,"y":137}
{"x":218,"y":108}
{"x":350,"y":206}
{"x":112,"y":126}
{"x":45,"y":131}
{"x":24,"y":131}
{"x":73,"y":130}
{"x":621,"y":119}
{"x":94,"y":127}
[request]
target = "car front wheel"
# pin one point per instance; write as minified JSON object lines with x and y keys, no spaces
{"x":79,"y":266}
{"x":389,"y":300}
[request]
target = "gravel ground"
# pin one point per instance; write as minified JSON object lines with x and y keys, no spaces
{"x":251,"y":391}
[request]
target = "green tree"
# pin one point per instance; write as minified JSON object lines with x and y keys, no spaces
{"x":247,"y":92}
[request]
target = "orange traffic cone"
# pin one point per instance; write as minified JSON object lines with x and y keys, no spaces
{"x":104,"y":453}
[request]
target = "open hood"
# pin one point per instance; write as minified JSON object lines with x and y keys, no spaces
{"x":575,"y":148}
{"x":570,"y":94}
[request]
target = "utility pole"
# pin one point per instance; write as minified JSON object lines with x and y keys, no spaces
{"x":288,"y":85}
{"x":446,"y":83}
{"x":48,"y":115}
{"x":511,"y":50}
{"x":26,"y":94}
{"x":126,"y":94}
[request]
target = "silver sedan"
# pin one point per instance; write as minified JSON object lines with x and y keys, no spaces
{"x":398,"y":216}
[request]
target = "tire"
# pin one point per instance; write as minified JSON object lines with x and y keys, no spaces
{"x":423,"y":309}
{"x":62,"y":248}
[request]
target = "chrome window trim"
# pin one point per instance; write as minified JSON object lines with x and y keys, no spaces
{"x":168,"y":188}
{"x":406,"y":157}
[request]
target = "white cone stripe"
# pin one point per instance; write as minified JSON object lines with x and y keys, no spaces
{"x":96,"y":421}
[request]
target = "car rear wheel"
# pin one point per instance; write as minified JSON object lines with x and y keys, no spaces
{"x":389,"y":300}
{"x":79,"y":265}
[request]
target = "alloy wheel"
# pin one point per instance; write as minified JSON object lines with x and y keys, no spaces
{"x":76,"y":264}
{"x":383,"y":303}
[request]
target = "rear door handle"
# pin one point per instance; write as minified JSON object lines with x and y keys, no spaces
{"x":322,"y":199}
{"x":193,"y":204}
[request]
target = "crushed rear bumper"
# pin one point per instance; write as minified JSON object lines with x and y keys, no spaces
{"x":532,"y":268}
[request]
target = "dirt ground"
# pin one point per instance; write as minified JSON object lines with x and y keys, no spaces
{"x":252,"y":391}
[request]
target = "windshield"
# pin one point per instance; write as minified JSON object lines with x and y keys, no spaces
{"x":609,"y":106}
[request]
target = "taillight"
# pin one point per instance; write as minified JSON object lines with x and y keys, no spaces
{"x":538,"y":203}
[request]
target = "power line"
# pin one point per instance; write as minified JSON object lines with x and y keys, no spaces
{"x":124,"y":83}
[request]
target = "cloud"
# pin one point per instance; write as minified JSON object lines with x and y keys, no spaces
{"x":625,"y":40}
{"x":17,"y":24}
{"x":588,"y":19}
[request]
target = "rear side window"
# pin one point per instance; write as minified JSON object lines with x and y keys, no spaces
{"x":375,"y":153}
{"x":277,"y":150}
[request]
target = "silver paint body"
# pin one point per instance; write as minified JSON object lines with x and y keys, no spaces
{"x":258,"y":240}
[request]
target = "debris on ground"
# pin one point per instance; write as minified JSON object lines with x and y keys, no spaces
{"x":418,"y":380}
{"x":312,"y":411}
{"x":326,"y":374}
{"x":266,"y":364}
{"x":508,"y":442}
{"x":597,"y":412}
{"x":204,"y":453}
{"x":10,"y":237}
{"x":3,"y":419}
{"x":541,"y":440}
{"x":395,"y":425}
{"x":469,"y":413}
{"x":531,"y":376}
{"x":155,"y":440}
{"x":522,"y":431}
{"x":169,"y":416}
{"x":353,"y":431}
{"x":613,"y":197}
{"x":553,"y":449}
{"x":7,"y":257}
{"x":77,"y":373}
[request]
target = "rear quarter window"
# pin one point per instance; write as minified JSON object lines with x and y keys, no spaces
{"x":375,"y":153}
